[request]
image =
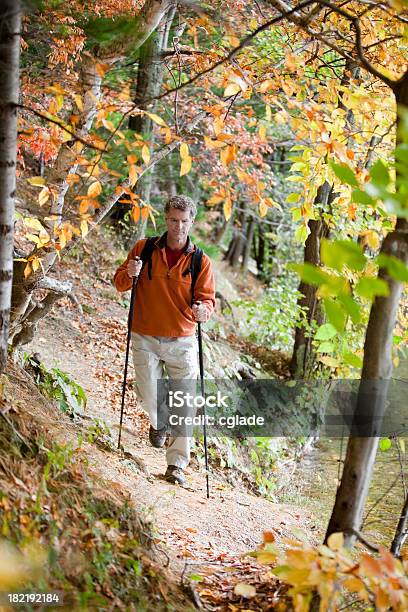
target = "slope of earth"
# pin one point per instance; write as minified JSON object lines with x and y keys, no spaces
{"x":193,"y":534}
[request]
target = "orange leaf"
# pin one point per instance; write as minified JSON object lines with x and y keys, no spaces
{"x":101,"y":69}
{"x":83,"y":206}
{"x":135,"y":214}
{"x":133,"y":172}
{"x":95,"y":189}
{"x":145,"y":154}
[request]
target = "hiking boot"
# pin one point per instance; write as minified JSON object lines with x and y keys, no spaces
{"x":175,"y":475}
{"x":157,"y":437}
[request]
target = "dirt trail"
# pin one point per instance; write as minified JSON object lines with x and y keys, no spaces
{"x":190,"y":529}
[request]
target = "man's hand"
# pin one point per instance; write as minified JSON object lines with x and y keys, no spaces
{"x":134,"y":266}
{"x":200,"y":312}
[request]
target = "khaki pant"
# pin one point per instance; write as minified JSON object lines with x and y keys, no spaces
{"x":153,"y":357}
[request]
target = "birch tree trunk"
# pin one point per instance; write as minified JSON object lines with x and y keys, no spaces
{"x":10,"y":23}
{"x":377,"y":369}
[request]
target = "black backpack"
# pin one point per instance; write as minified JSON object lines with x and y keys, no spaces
{"x":194,"y":269}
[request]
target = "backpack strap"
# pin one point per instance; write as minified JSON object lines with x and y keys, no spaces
{"x":146,"y":255}
{"x":196,"y":259}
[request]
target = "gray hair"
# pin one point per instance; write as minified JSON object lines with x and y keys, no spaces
{"x":181,"y":202}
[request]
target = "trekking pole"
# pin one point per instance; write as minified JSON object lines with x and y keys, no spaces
{"x":130,"y":317}
{"x":200,"y":354}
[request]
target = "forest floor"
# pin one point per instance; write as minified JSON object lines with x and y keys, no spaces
{"x":210,"y":538}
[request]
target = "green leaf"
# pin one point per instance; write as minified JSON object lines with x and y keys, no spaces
{"x":293,"y":198}
{"x":379,"y":174}
{"x":352,"y":359}
{"x":339,"y":253}
{"x":326,"y":332}
{"x":302,"y":233}
{"x":335,"y":314}
{"x":351,"y":306}
{"x":385,"y":444}
{"x":395,"y":267}
{"x":344,"y":173}
{"x":361,"y":197}
{"x":310,"y":274}
{"x":325,"y":347}
{"x":370,"y":287}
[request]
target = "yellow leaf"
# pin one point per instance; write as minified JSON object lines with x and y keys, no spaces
{"x":37,"y":181}
{"x":227,"y":208}
{"x":84,"y":228}
{"x":56,"y":89}
{"x":157,"y":119}
{"x":231,"y":90}
{"x":133,"y":172}
{"x":185,"y":166}
{"x":43,"y":196}
{"x":108,"y":124}
{"x":33,"y":223}
{"x":268,"y":113}
{"x":167,"y":136}
{"x":263,"y":209}
{"x":281,"y":117}
{"x":218,"y":125}
{"x":210,"y":143}
{"x":35,"y":263}
{"x":27,"y":270}
{"x":153,"y":220}
{"x":215,"y":199}
{"x":33,"y":238}
{"x":145,"y":154}
{"x":135,"y":214}
{"x":335,"y":541}
{"x":184,"y":152}
{"x":265,"y":85}
{"x":95,"y":189}
{"x":262,"y":132}
{"x":59,"y":100}
{"x":266,"y":556}
{"x":78,"y":102}
{"x":228,"y":154}
{"x":243,"y":176}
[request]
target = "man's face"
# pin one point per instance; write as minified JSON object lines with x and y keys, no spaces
{"x":178,"y":224}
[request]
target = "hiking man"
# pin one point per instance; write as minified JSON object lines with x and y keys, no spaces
{"x":164,"y":319}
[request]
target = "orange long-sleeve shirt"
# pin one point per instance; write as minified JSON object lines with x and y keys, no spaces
{"x":163,"y":304}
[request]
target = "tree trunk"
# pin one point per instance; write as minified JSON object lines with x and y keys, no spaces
{"x":149,"y":81}
{"x":260,"y":253}
{"x":401,"y":532}
{"x":248,"y":243}
{"x":10,"y":20}
{"x":302,"y":361}
{"x":237,"y":244}
{"x":377,"y":370}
